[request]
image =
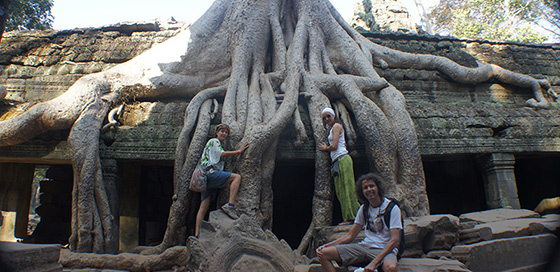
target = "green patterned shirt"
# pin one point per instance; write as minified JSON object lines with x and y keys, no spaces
{"x":212,"y":155}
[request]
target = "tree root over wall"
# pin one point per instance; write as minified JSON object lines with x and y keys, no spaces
{"x":243,"y":55}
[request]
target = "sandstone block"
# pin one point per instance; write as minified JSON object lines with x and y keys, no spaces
{"x":505,"y":229}
{"x":497,"y":215}
{"x":437,"y":254}
{"x":30,"y":257}
{"x":551,"y":222}
{"x":405,"y":265}
{"x":433,"y":232}
{"x":506,"y":254}
{"x":430,"y":265}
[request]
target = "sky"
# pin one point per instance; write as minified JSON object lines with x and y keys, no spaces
{"x":69,"y":14}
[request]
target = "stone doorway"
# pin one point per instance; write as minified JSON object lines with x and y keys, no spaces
{"x":454,"y":184}
{"x":36,"y":203}
{"x":537,"y":178}
{"x":55,"y":208}
{"x":156,"y":191}
{"x":292,"y":184}
{"x":146,"y":189}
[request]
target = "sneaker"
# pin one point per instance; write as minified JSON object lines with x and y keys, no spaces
{"x":230,"y":210}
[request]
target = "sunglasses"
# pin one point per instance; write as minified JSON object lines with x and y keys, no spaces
{"x":328,"y":116}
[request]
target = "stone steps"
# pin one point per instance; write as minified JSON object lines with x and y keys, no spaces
{"x":493,"y":240}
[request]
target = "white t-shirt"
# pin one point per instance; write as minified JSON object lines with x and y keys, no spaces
{"x":379,"y":239}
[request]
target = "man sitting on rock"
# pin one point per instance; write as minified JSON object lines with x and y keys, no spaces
{"x":379,"y":247}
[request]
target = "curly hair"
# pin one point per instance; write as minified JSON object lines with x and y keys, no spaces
{"x":378,"y":182}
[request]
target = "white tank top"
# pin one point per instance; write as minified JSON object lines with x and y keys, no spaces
{"x":341,"y":150}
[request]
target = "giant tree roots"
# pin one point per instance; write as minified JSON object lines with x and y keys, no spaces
{"x":254,"y":61}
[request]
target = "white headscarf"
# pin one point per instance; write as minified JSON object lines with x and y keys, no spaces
{"x":329,"y":110}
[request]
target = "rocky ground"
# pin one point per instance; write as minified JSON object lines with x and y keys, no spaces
{"x":494,"y":240}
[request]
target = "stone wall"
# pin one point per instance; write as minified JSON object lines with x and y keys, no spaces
{"x":454,"y":118}
{"x":450,"y":118}
{"x":40,"y":65}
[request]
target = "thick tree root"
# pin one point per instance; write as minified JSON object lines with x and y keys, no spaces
{"x":245,"y":53}
{"x":177,"y":256}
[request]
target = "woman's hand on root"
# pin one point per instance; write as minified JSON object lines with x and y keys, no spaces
{"x":244,"y":146}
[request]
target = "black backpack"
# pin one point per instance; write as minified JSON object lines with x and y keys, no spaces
{"x":387,"y":220}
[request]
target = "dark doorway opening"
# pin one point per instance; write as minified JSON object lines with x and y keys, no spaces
{"x":454,"y":185}
{"x":293,"y":184}
{"x":537,"y":178}
{"x":55,"y":209}
{"x":155,"y":197}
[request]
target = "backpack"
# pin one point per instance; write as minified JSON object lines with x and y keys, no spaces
{"x":387,"y":220}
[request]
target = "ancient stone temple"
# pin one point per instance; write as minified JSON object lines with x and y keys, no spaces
{"x":482,"y":146}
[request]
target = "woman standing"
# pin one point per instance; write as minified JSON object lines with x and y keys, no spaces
{"x":216,"y":178}
{"x":342,"y":167}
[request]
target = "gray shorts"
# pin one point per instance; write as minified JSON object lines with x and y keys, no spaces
{"x":360,"y":254}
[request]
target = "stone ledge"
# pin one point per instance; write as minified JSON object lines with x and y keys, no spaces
{"x":30,"y":257}
{"x":506,"y":254}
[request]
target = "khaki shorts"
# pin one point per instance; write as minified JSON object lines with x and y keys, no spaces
{"x":360,"y":254}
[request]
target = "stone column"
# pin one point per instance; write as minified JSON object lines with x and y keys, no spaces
{"x":499,"y":180}
{"x":110,"y":178}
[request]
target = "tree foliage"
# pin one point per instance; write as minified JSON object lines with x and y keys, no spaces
{"x":512,"y":20}
{"x":544,"y":13}
{"x":30,"y":14}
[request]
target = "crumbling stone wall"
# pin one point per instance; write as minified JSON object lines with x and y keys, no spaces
{"x":450,"y":118}
{"x":40,"y":65}
{"x":453,"y":118}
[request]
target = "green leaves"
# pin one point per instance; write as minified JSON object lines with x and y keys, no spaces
{"x":30,"y":14}
{"x":513,"y":20}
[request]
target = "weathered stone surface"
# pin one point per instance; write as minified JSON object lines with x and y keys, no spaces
{"x":551,"y":222}
{"x":41,"y":65}
{"x":497,"y":215}
{"x":505,"y":229}
{"x":240,"y":244}
{"x":499,"y":180}
{"x":433,"y":232}
{"x":173,"y":257}
{"x":430,"y":265}
{"x":317,"y":268}
{"x":449,"y":118}
{"x":505,"y":254}
{"x":437,"y":236}
{"x":3,"y":92}
{"x":30,"y":257}
{"x":405,"y":265}
{"x":437,"y":254}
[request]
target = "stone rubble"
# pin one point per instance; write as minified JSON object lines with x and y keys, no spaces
{"x":492,"y":240}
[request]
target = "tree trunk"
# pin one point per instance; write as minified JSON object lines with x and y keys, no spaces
{"x":245,"y":53}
